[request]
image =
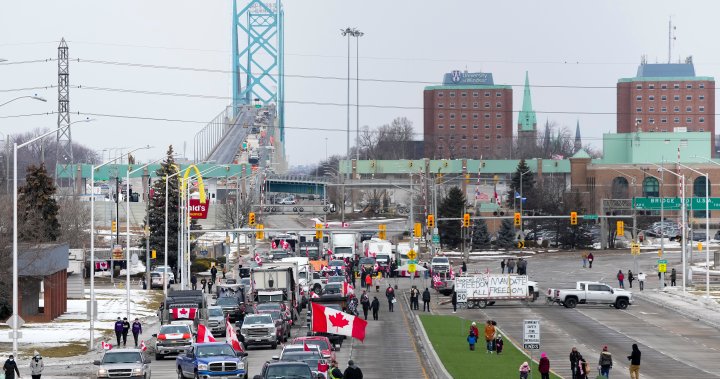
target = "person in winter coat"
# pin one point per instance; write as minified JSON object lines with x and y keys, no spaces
{"x":575,"y":358}
{"x":584,"y":370}
{"x":584,"y":258}
{"x":352,"y":371}
{"x":193,"y":281}
{"x":368,"y":281}
{"x":36,"y":366}
{"x":464,"y":268}
{"x":490,"y":336}
{"x":414,"y":298}
{"x":334,"y":372}
{"x":641,"y":280}
{"x":213,"y":274}
{"x":365,"y":301}
{"x":498,"y":344}
{"x":474,"y":330}
{"x":591,"y":257}
{"x":454,"y":301}
{"x":510,"y":266}
{"x":203,"y":282}
{"x":522,"y":267}
{"x":375,"y":305}
{"x":605,"y":362}
{"x":544,"y":366}
{"x":634,"y":359}
{"x":390,"y":294}
{"x":10,"y":368}
{"x":621,"y":279}
{"x":524,"y":370}
{"x":630,"y":277}
{"x":125,"y":330}
{"x":472,"y":340}
{"x":673,"y":277}
{"x":426,"y":300}
{"x":136,"y":330}
{"x":502,"y":266}
{"x":118,"y":330}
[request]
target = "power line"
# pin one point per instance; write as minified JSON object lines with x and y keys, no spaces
{"x":8,"y":63}
{"x":26,"y":88}
{"x":28,"y":115}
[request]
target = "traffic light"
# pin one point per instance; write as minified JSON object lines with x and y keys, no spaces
{"x":153,"y":254}
{"x":382,"y":231}
{"x":251,"y":219}
{"x":318,"y":231}
{"x":620,"y":228}
{"x":114,"y":226}
{"x":517,"y":219}
{"x":431,"y":221}
{"x":573,"y":218}
{"x":466,"y":220}
{"x":418,"y":229}
{"x":260,"y":234}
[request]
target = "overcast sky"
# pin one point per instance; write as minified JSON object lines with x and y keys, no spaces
{"x":560,"y":43}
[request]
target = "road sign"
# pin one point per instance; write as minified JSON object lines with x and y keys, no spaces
{"x":662,"y":265}
{"x":590,"y":217}
{"x":411,"y":254}
{"x":11,"y":322}
{"x":675,"y":203}
{"x":204,"y":253}
{"x":531,"y":334}
{"x":635,"y":248}
{"x":461,"y":296}
{"x":436,"y":238}
{"x":411,"y":268}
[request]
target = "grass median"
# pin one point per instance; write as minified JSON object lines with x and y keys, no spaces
{"x":448,"y":335}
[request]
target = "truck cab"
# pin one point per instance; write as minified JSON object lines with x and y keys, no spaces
{"x":212,"y":360}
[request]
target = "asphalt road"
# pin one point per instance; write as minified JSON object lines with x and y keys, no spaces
{"x":225,"y":152}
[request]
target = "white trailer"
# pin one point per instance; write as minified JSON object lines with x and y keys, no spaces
{"x":479,"y":291}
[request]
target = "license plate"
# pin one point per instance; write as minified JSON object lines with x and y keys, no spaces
{"x":258,"y":339}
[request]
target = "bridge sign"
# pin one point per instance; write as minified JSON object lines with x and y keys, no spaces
{"x":436,"y":238}
{"x":675,"y":203}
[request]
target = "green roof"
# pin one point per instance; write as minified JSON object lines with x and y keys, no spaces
{"x":668,"y":79}
{"x":581,"y":154}
{"x":430,"y":88}
{"x":527,"y":119}
{"x":112,"y":170}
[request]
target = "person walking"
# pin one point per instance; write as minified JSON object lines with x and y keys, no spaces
{"x":630,"y":277}
{"x":474,"y":330}
{"x":390,"y":294}
{"x":591,"y":258}
{"x":136,"y":330}
{"x":641,"y":280}
{"x":375,"y":307}
{"x":489,"y":336}
{"x":499,"y":344}
{"x":464,"y":268}
{"x":634,"y":359}
{"x":426,"y":300}
{"x":365,"y":301}
{"x":10,"y":368}
{"x":524,"y":370}
{"x":125,"y":330}
{"x":522,"y":267}
{"x":414,"y":298}
{"x":362,"y":276}
{"x":213,"y":274}
{"x":544,"y":366}
{"x":36,"y":366}
{"x":510,"y":265}
{"x":118,"y":330}
{"x":368,"y":281}
{"x":472,"y":340}
{"x":502,"y":266}
{"x":224,"y":270}
{"x":605,"y":362}
{"x":575,"y":358}
{"x":193,"y":281}
{"x":621,"y":278}
{"x":334,"y":371}
{"x":352,"y":371}
{"x":673,"y":277}
{"x":584,"y":258}
{"x":203,"y":283}
{"x":454,"y":301}
{"x":427,"y":270}
{"x":210,"y":285}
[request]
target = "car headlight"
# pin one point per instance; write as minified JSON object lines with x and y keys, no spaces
{"x":243,"y":331}
{"x":102,"y":373}
{"x":202,"y":366}
{"x":241,"y":365}
{"x":137,"y":371}
{"x":271,"y":330}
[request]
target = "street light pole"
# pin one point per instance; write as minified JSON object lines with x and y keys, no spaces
{"x":707,"y":228}
{"x":683,"y":227}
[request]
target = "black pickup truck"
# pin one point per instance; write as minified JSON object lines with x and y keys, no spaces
{"x":336,"y":302}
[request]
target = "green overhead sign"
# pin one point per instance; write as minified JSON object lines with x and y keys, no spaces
{"x":675,"y":203}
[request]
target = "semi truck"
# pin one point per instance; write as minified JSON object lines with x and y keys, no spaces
{"x":344,"y":245}
{"x":277,"y":282}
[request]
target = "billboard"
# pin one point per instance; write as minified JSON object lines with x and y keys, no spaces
{"x":490,"y":286}
{"x":198,"y":209}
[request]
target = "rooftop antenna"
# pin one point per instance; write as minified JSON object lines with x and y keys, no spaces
{"x":671,"y":38}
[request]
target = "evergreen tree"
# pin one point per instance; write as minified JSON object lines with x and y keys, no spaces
{"x":506,"y":234}
{"x":528,"y":182}
{"x":37,"y":208}
{"x":480,"y":235}
{"x":451,"y":206}
{"x":576,"y":236}
{"x":156,"y":211}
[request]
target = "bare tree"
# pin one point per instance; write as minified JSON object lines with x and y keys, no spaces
{"x":74,"y":219}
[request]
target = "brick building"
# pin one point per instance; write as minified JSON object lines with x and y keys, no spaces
{"x":468,"y":116}
{"x":666,"y":97}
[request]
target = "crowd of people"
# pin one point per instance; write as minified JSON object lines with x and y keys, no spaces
{"x":11,"y":369}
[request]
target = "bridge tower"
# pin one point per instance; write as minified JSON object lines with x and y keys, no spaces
{"x":258,"y":56}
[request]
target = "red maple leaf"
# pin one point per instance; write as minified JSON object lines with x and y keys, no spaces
{"x":338,"y":321}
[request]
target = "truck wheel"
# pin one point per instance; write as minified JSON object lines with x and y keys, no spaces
{"x":180,"y":374}
{"x":570,"y":303}
{"x":621,"y":304}
{"x":196,"y":376}
{"x":482,"y":303}
{"x":274,"y":345}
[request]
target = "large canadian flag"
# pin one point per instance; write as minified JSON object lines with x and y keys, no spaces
{"x":204,"y":335}
{"x":231,"y":338}
{"x":328,"y":320}
{"x":184,"y":313}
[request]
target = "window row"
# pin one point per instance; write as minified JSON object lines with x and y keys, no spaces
{"x":675,"y":109}
{"x":466,"y":148}
{"x":474,"y":105}
{"x":464,"y":116}
{"x":675,"y":97}
{"x":452,"y":138}
{"x":665,"y":86}
{"x":676,"y":120}
{"x":475,"y":126}
{"x":465,"y":94}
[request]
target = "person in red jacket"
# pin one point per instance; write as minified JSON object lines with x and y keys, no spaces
{"x":544,"y":366}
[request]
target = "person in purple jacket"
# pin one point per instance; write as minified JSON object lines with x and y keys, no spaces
{"x":118,"y":330}
{"x":136,"y":330}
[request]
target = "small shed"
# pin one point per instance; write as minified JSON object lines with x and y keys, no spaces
{"x":43,"y":268}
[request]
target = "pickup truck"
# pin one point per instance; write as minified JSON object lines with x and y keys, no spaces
{"x":259,"y":330}
{"x":212,"y":360}
{"x":590,"y":293}
{"x":123,"y":363}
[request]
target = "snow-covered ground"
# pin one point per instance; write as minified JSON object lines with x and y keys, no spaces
{"x":73,"y":327}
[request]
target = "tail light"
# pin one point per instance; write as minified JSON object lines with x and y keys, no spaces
{"x":186,"y":336}
{"x":161,"y":337}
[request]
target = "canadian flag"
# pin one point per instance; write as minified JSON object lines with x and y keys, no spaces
{"x":105,"y":346}
{"x":323,"y":366}
{"x":306,"y":347}
{"x":184,"y":313}
{"x":328,"y":320}
{"x":284,"y":244}
{"x":347,"y":288}
{"x":258,"y":260}
{"x":231,"y":338}
{"x":314,"y":295}
{"x":345,"y":225}
{"x":143,"y":347}
{"x":204,"y":335}
{"x":273,"y":245}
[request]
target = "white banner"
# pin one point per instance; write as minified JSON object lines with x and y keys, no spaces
{"x":489,"y":286}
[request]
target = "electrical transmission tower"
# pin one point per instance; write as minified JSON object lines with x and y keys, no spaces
{"x":64,"y":153}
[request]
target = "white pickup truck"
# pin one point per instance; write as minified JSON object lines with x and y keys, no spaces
{"x":590,"y":293}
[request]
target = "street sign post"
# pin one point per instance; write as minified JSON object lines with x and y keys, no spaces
{"x":635,"y":248}
{"x":436,"y":238}
{"x":662,"y":265}
{"x":674,"y":203}
{"x":531,"y":334}
{"x":411,"y":254}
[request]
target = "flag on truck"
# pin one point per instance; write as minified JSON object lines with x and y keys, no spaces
{"x":105,"y":346}
{"x":231,"y":338}
{"x":183,"y":313}
{"x":204,"y":335}
{"x":143,"y":347}
{"x":328,"y":320}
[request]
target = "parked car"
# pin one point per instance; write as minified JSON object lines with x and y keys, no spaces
{"x":699,"y":236}
{"x":287,"y":201}
{"x":156,"y":280}
{"x":123,"y":363}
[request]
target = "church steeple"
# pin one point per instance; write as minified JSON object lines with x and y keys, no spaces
{"x":578,"y":140}
{"x":527,"y":120}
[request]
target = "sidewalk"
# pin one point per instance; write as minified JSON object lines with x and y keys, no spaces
{"x":687,"y":304}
